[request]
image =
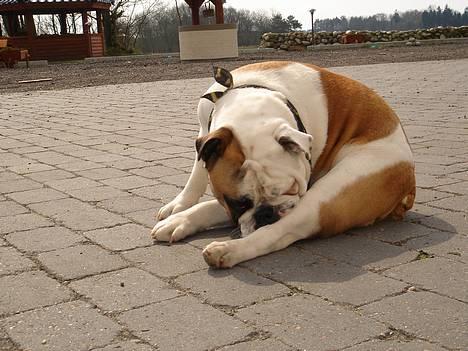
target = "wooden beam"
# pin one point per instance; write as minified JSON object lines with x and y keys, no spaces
{"x":54,"y":7}
{"x":219,"y":11}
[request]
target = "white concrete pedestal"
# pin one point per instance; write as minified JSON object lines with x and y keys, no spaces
{"x":204,"y":42}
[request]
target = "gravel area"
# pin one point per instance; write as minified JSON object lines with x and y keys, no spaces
{"x":155,"y":68}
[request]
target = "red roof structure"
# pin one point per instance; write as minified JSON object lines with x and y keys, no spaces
{"x":55,"y":29}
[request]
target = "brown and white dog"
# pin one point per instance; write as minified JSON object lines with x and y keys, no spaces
{"x":291,"y":151}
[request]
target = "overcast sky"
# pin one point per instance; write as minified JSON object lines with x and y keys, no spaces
{"x":336,"y":8}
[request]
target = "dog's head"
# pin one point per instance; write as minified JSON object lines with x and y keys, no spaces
{"x":257,"y":163}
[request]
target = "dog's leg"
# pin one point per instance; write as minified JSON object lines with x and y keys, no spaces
{"x":193,"y":190}
{"x":202,"y":216}
{"x":350,"y":195}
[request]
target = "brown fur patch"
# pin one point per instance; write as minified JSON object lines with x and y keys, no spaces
{"x":263,"y":66}
{"x":356,"y":115}
{"x":225,"y":172}
{"x":388,"y":192}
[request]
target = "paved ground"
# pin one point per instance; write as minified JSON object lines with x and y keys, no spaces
{"x":83,"y":171}
{"x":149,"y":68}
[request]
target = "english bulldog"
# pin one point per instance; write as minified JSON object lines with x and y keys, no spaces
{"x":291,"y":151}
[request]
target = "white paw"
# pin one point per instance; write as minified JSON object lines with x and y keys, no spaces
{"x":175,"y":206}
{"x":221,"y":254}
{"x":173,"y":228}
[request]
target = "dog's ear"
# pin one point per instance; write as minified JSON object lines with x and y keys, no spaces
{"x":293,"y":140}
{"x":214,"y":96}
{"x":223,"y":77}
{"x":212,"y":146}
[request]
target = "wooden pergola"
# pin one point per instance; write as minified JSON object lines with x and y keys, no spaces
{"x":19,"y":22}
{"x":195,"y":7}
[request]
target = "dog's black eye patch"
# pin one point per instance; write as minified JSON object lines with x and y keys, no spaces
{"x":238,"y":206}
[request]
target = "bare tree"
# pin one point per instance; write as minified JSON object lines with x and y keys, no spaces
{"x":125,"y":22}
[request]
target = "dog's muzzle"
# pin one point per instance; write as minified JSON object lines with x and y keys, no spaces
{"x":265,"y":215}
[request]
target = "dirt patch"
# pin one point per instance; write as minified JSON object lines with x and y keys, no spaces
{"x":154,"y":68}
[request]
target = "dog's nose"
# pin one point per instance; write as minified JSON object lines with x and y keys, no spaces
{"x":265,"y":215}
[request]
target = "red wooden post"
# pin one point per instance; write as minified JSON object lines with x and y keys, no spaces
{"x":84,"y":17}
{"x":63,"y":23}
{"x":84,"y":20}
{"x":195,"y":14}
{"x":31,"y":32}
{"x":219,"y":11}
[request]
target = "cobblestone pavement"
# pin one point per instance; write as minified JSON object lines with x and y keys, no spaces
{"x":83,"y":171}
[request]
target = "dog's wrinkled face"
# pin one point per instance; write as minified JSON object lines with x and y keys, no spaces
{"x":259,"y":182}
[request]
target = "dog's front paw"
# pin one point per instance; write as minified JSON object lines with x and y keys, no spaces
{"x":221,"y":254}
{"x":174,"y":228}
{"x":175,"y":206}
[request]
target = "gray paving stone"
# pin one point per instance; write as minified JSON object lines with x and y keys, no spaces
{"x":12,"y":261}
{"x":55,"y":174}
{"x":6,"y":344}
{"x":437,"y":274}
{"x":394,"y":345}
{"x":22,"y":222}
{"x":460,"y":175}
{"x":460,"y":188}
{"x":178,"y":162}
{"x":127,"y":164}
{"x":102,"y":173}
{"x":258,"y":345}
{"x":128,"y":204}
{"x":52,"y":158}
{"x":167,"y":261}
{"x":456,"y":203}
{"x":44,"y":239}
{"x":455,"y":222}
{"x":336,"y":281}
{"x":124,"y":237}
{"x":179,"y":179}
{"x":359,"y":251}
{"x":430,"y":181}
{"x":30,"y":290}
{"x":155,"y":172}
{"x":214,"y":328}
{"x":78,"y":215}
{"x":161,"y":192}
{"x":442,"y":244}
{"x":131,"y":345}
{"x":71,"y":326}
{"x":9,"y":176}
{"x":97,"y":193}
{"x":72,"y":183}
{"x":392,"y":231}
{"x":235,"y":287}
{"x":18,"y":185}
{"x":420,"y":210}
{"x":10,"y":208}
{"x":425,"y":315}
{"x":13,"y":160}
{"x":124,"y":289}
{"x":304,"y":320}
{"x":144,"y":217}
{"x":129,"y":182}
{"x":426,"y":195}
{"x":80,"y":166}
{"x":79,"y":261}
{"x":30,"y":168}
{"x":36,"y":195}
